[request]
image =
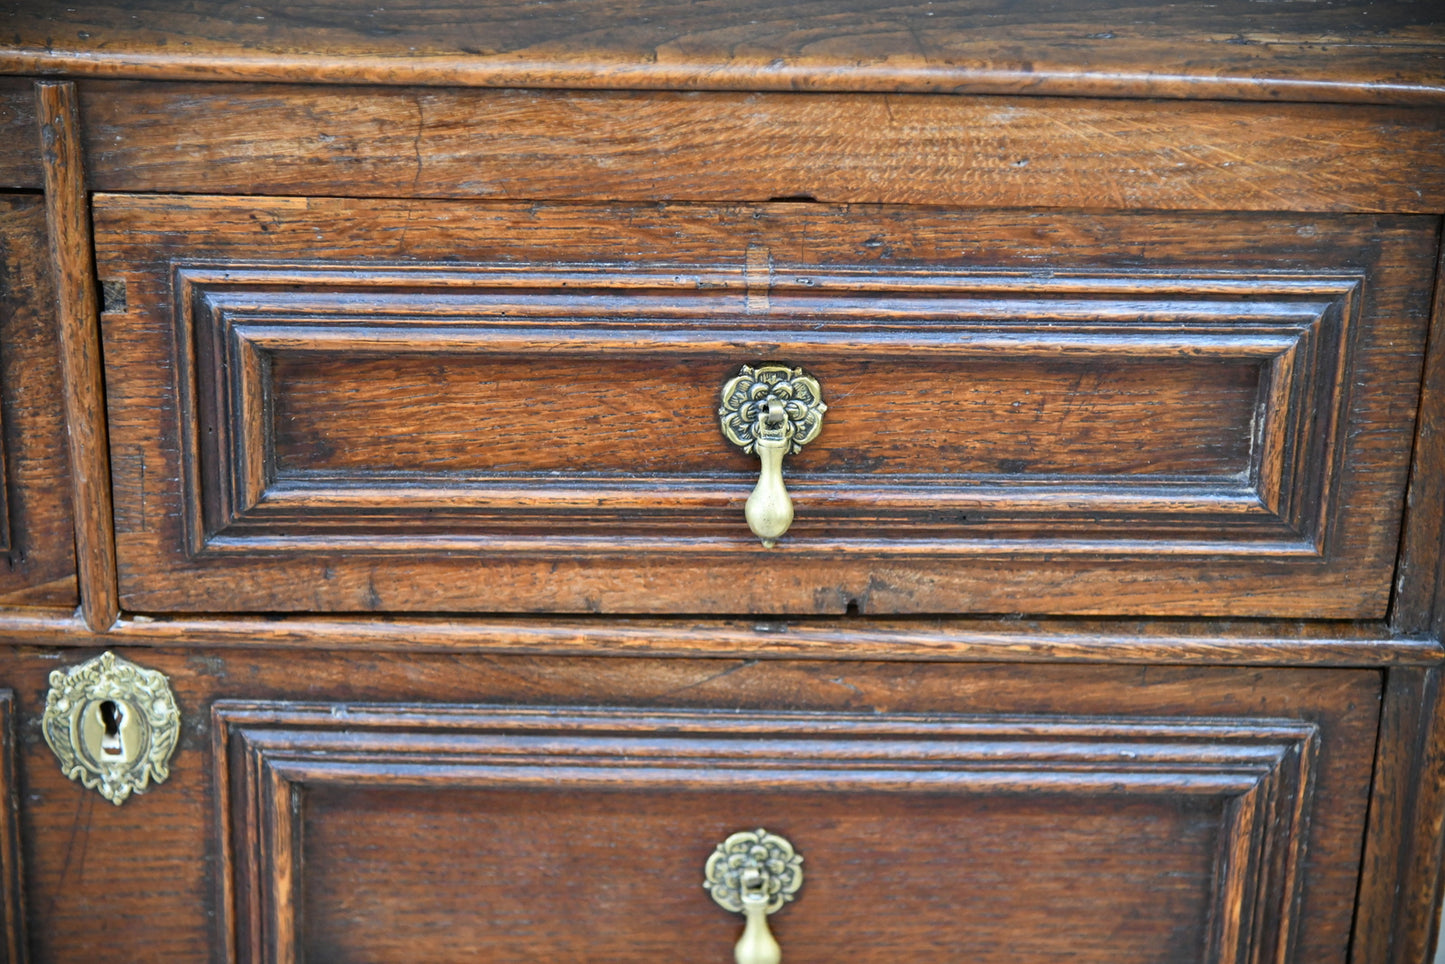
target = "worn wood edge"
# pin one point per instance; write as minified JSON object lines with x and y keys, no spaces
{"x":67,"y":215}
{"x":1259,"y":643}
{"x":1307,"y":765}
{"x":236,"y":821}
{"x":1431,"y":616}
{"x":1421,"y":563}
{"x":279,"y":849}
{"x":1389,"y":807}
{"x":12,"y":877}
{"x":1398,"y":905}
{"x":599,"y":74}
{"x":7,"y":529}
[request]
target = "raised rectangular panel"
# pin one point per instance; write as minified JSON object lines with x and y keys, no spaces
{"x":573,"y":410}
{"x":581,"y":834}
{"x":429,"y":405}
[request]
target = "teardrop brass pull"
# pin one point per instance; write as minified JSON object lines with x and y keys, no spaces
{"x":754,"y":873}
{"x":771,"y":411}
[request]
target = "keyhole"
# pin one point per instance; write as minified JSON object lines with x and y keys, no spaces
{"x":112,"y":714}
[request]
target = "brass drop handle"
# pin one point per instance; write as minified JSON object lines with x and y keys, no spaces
{"x":771,"y":411}
{"x":757,"y":945}
{"x":754,"y":873}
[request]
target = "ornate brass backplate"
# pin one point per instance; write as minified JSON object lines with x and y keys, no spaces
{"x":754,"y":873}
{"x":771,"y":411}
{"x":750,"y":396}
{"x":113,"y":725}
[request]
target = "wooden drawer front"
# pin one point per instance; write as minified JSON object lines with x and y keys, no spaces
{"x":581,"y":835}
{"x":1022,"y":813}
{"x":1024,"y":413}
{"x":37,"y":535}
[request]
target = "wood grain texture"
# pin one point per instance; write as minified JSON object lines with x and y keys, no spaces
{"x":68,"y":219}
{"x":951,"y":876}
{"x":142,"y":239}
{"x":1346,"y":51}
{"x":364,"y":746}
{"x":1417,"y":915}
{"x":7,"y":536}
{"x":1419,"y":602}
{"x":913,"y":803}
{"x":1236,"y":642}
{"x":14,"y":948}
{"x":175,"y":918}
{"x":407,"y":411}
{"x":908,"y":149}
{"x":1400,"y":887}
{"x":19,"y":144}
{"x":37,"y":567}
{"x":340,"y":412}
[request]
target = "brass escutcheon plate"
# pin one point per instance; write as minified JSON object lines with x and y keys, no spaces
{"x":113,"y":725}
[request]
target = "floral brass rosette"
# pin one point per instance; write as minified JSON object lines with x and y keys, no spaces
{"x":756,"y":392}
{"x":760,"y":856}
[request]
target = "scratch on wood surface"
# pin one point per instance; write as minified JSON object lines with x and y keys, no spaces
{"x":710,"y":678}
{"x":75,"y":855}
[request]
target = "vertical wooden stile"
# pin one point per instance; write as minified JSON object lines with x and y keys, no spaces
{"x":13,"y":943}
{"x":67,"y":216}
{"x":1400,"y":879}
{"x":1417,"y":604}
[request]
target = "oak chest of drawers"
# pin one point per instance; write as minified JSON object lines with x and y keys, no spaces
{"x":383,"y":389}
